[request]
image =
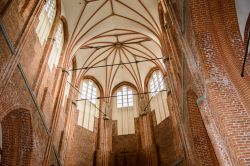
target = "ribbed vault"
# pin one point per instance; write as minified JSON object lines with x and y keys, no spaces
{"x":107,"y":32}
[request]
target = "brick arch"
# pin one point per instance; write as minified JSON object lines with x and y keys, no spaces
{"x":202,"y":147}
{"x":17,"y":140}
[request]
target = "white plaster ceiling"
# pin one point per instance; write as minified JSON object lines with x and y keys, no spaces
{"x":106,"y":32}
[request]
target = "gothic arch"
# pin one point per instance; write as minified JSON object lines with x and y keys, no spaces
{"x":123,"y":84}
{"x":17,"y":138}
{"x":151,"y":71}
{"x":88,"y":77}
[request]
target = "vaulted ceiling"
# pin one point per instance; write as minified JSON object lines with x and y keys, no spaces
{"x":114,"y":33}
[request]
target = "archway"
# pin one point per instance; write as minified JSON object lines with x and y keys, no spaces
{"x":17,"y":139}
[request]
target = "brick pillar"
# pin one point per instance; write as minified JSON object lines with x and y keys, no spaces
{"x":57,"y":110}
{"x":149,"y":152}
{"x":104,"y":147}
{"x":69,"y":128}
{"x":216,"y":139}
{"x":203,"y":149}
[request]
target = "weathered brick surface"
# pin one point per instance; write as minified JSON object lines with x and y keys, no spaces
{"x":203,"y":149}
{"x":17,"y":138}
{"x":166,"y":144}
{"x":82,"y":144}
{"x":17,"y":98}
{"x":226,"y":91}
{"x":60,"y":131}
{"x":47,"y":106}
{"x":14,"y":22}
{"x":5,"y":56}
{"x":125,"y":150}
{"x":216,"y":49}
{"x":81,"y":147}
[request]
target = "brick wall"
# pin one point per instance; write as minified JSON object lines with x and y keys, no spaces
{"x":16,"y":98}
{"x":220,"y":49}
{"x":202,"y":147}
{"x":125,"y":150}
{"x":81,"y":147}
{"x":17,"y":138}
{"x":82,"y":144}
{"x":166,"y":144}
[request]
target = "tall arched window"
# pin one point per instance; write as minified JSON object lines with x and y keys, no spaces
{"x":57,"y":47}
{"x":89,"y":105}
{"x":46,"y":19}
{"x":125,"y":110}
{"x":156,"y":82}
{"x":158,"y":102}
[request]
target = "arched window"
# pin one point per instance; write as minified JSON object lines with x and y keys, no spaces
{"x":56,"y":48}
{"x":46,"y":19}
{"x":89,"y":105}
{"x":125,"y":110}
{"x":125,"y":97}
{"x":156,"y":82}
{"x":158,"y":102}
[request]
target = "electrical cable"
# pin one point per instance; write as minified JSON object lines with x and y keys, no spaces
{"x":133,"y":94}
{"x":153,"y":95}
{"x":112,"y":64}
{"x":81,"y":93}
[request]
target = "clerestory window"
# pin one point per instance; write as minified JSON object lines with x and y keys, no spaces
{"x":156,"y":83}
{"x":56,"y":48}
{"x":158,"y":102}
{"x":125,"y":97}
{"x":89,"y":105}
{"x":46,"y":19}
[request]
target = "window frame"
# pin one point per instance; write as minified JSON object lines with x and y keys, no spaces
{"x":56,"y":50}
{"x":124,"y":97}
{"x":46,"y":20}
{"x":156,"y":82}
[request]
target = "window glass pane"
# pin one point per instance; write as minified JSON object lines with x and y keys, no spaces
{"x":125,"y":104}
{"x":46,"y":19}
{"x":84,"y":95}
{"x":156,"y":82}
{"x":89,"y":91}
{"x":130,"y":104}
{"x":119,"y":94}
{"x":124,"y":97}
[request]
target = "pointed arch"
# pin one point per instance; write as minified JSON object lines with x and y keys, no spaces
{"x":17,"y":138}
